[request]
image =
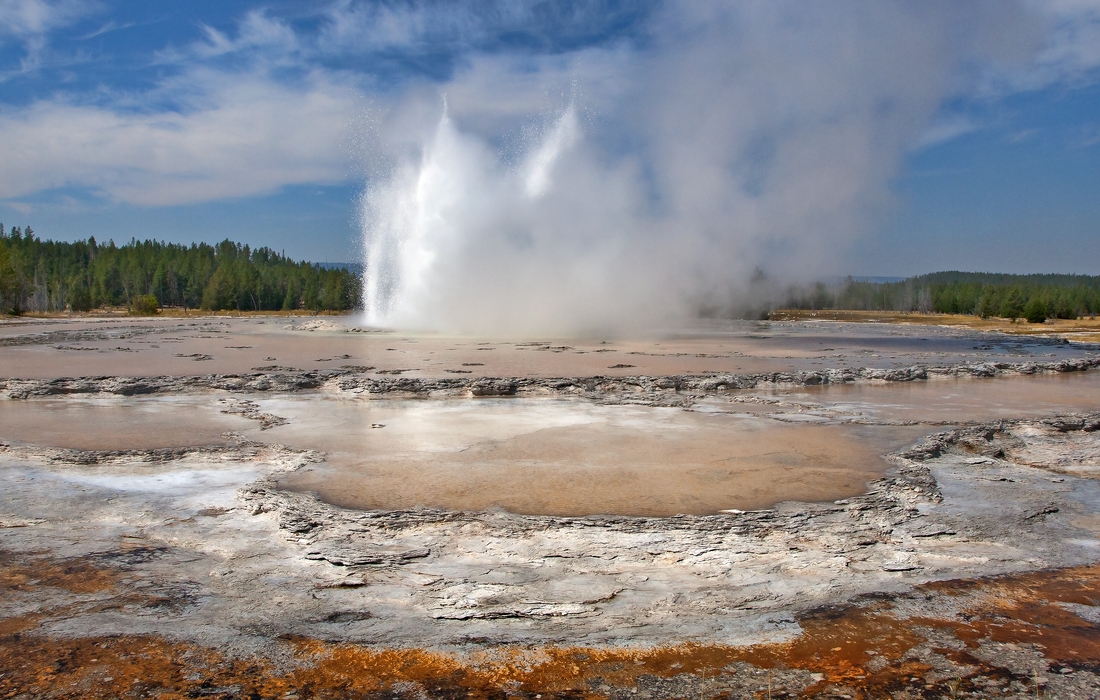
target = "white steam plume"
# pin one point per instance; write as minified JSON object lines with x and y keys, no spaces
{"x":752,"y":134}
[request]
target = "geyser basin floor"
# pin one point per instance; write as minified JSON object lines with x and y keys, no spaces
{"x":155,"y":548}
{"x":82,"y":347}
{"x":138,"y":566}
{"x":115,"y":423}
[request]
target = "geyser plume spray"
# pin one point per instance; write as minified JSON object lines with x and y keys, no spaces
{"x":706,"y":157}
{"x":465,"y":239}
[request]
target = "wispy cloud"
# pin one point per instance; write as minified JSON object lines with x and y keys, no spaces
{"x":29,"y":22}
{"x":21,"y":207}
{"x":1065,"y":35}
{"x":1088,"y":136}
{"x":443,"y":25}
{"x":259,"y":37}
{"x":107,"y":28}
{"x":257,"y":31}
{"x":245,"y":135}
{"x":1021,"y":135}
{"x":946,"y":130}
{"x":25,"y":18}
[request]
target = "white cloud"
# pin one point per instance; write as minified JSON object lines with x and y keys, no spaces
{"x":436,"y":27}
{"x":1073,"y":50}
{"x":244,"y":134}
{"x":356,"y":27}
{"x":229,"y":133}
{"x":30,"y":21}
{"x":1066,"y":39}
{"x":107,"y":28}
{"x":259,"y":39}
{"x":256,"y":31}
{"x":23,"y":18}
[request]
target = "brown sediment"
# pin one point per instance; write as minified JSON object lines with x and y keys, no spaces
{"x":125,"y":666}
{"x":80,"y":575}
{"x":1026,"y":608}
{"x":869,"y":648}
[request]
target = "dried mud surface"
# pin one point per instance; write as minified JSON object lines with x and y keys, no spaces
{"x":971,"y":568}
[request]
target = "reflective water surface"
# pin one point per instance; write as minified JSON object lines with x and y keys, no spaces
{"x":575,"y":458}
{"x":568,"y":456}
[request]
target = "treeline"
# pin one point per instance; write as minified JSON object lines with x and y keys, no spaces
{"x":44,"y":276}
{"x":1034,"y":297}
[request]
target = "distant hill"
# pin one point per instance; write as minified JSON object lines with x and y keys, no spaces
{"x":995,"y":278}
{"x":1034,"y":297}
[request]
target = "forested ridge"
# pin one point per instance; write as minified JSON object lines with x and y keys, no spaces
{"x":1034,"y":297}
{"x":43,"y":275}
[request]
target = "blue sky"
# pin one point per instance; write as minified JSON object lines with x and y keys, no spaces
{"x":979,"y":146}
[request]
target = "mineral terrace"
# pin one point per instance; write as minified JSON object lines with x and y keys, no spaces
{"x":278,"y":507}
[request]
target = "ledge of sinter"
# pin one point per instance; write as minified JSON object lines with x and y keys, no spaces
{"x":288,"y":379}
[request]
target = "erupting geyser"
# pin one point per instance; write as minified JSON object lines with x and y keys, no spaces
{"x":416,"y":222}
{"x":699,"y":158}
{"x":445,"y":235}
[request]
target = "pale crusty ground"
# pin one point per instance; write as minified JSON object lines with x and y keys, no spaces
{"x":238,"y":563}
{"x":48,"y":348}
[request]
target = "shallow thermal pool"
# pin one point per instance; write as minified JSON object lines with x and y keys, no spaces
{"x":570,"y":457}
{"x":567,"y":456}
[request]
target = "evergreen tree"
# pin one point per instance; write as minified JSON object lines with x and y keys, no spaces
{"x":1035,"y":311}
{"x":1013,"y":305}
{"x":50,"y":276}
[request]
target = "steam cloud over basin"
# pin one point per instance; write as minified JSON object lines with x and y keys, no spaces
{"x":741,"y":136}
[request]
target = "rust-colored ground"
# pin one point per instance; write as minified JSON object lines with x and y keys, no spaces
{"x":1085,"y":329}
{"x":864,"y":649}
